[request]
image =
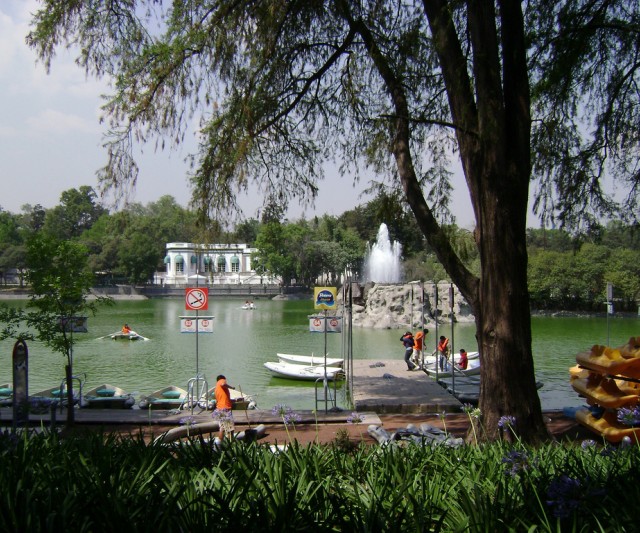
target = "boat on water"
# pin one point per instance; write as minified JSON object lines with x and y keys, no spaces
{"x":58,"y":394}
{"x":6,"y":394}
{"x":431,"y":359}
{"x":130,"y":336}
{"x":107,"y":396}
{"x":310,"y":360}
{"x":170,"y":397}
{"x":304,"y":372}
{"x":473,"y":369}
{"x":239,"y":400}
{"x":249,"y":306}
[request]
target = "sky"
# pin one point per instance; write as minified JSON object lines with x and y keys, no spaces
{"x":51,"y":138}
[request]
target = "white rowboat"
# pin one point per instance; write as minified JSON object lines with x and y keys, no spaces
{"x":431,"y":359}
{"x":309,"y":373}
{"x":473,"y":369}
{"x":310,"y":360}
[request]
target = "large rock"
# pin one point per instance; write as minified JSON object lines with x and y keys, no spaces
{"x":396,"y":306}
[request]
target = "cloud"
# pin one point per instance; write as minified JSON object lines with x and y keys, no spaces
{"x":58,"y":122}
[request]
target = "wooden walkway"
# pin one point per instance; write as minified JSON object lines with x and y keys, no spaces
{"x":379,"y":387}
{"x":388,"y":387}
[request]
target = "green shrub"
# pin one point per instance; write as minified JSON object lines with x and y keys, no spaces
{"x":103,"y":483}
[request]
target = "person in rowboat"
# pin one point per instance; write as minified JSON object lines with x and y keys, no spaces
{"x":126,"y":329}
{"x":464,"y":359}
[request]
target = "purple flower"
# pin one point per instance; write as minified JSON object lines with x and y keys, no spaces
{"x":291,"y":418}
{"x":222,"y":415}
{"x":288,"y":415}
{"x":516,"y":462}
{"x":629,"y":417}
{"x":506,"y":422}
{"x":565,"y":495}
{"x":355,"y":418}
{"x":280,"y":409}
{"x":587,"y":444}
{"x":187,"y":421}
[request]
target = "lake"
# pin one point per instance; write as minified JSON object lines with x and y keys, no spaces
{"x":245,"y":339}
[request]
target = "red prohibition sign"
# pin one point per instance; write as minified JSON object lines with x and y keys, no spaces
{"x":188,"y":323}
{"x":316,"y":322}
{"x":333,"y":322}
{"x":197,"y":299}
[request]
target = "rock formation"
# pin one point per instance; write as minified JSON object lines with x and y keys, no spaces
{"x":397,"y":306}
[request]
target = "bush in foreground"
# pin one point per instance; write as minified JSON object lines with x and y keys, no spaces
{"x":105,"y":483}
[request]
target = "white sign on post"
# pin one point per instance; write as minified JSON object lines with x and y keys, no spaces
{"x":188,"y":325}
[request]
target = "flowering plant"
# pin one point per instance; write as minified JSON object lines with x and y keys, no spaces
{"x":187,"y":421}
{"x":288,"y":415}
{"x":224,"y":418}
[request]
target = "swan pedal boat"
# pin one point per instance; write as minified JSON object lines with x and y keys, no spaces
{"x":301,"y":372}
{"x":310,"y":360}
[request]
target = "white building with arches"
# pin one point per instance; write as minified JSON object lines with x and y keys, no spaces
{"x":212,"y":264}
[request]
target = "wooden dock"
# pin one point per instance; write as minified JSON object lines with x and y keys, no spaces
{"x":379,"y":387}
{"x":387,"y":387}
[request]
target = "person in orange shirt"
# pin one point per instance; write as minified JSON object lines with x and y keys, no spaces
{"x":418,"y":345}
{"x":126,"y":329}
{"x":223,"y":406}
{"x":443,"y":352}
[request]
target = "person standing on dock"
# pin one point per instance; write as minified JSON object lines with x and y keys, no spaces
{"x":443,"y":353}
{"x":223,"y":406}
{"x":407,"y":341}
{"x":418,"y":343}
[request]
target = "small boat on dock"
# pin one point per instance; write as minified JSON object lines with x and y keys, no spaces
{"x":170,"y":397}
{"x":307,"y":373}
{"x":310,"y":360}
{"x":107,"y":396}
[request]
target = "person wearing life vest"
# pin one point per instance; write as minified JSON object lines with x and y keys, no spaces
{"x":463,"y":361}
{"x":418,"y":345}
{"x":126,"y":329}
{"x":443,"y":352}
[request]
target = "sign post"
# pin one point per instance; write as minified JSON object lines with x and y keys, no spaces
{"x":196,"y":299}
{"x":20,"y":384}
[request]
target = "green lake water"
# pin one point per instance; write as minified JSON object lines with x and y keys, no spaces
{"x":243,"y":340}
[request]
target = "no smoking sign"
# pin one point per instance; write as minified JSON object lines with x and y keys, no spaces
{"x":197,"y":299}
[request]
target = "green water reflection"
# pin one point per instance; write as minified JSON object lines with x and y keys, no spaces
{"x":243,"y":340}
